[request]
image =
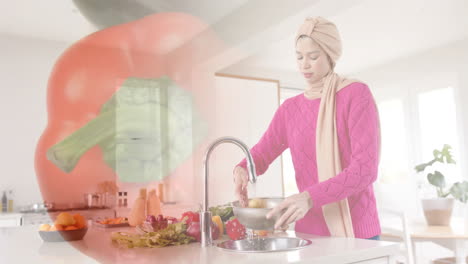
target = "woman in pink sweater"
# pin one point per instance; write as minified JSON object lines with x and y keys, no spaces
{"x":333,"y":133}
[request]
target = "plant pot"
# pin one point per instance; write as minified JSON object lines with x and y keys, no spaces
{"x":438,"y":211}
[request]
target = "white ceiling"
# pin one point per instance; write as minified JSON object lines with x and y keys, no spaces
{"x":61,"y":20}
{"x":373,"y":31}
{"x":46,"y":19}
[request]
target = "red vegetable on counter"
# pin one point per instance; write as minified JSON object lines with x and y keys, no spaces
{"x":235,"y":230}
{"x":194,"y":231}
{"x":214,"y":231}
{"x":158,"y":223}
{"x":190,"y":217}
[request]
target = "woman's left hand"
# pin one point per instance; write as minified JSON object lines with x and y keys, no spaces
{"x":296,"y":206}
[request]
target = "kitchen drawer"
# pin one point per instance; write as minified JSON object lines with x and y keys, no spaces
{"x":10,"y":220}
{"x":36,"y":219}
{"x":48,"y":218}
{"x":384,"y":260}
{"x":93,"y":214}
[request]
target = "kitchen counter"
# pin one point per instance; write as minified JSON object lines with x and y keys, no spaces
{"x":44,"y":217}
{"x":10,"y":219}
{"x":24,"y":245}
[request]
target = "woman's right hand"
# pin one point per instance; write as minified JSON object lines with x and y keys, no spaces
{"x":241,"y":180}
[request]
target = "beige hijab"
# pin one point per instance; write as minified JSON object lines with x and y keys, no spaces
{"x":325,"y":34}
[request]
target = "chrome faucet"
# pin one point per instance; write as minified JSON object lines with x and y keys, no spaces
{"x":205,"y":215}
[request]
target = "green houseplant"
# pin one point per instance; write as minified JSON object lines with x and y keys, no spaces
{"x":438,"y":210}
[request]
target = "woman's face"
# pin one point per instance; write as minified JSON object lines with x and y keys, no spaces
{"x":312,"y":61}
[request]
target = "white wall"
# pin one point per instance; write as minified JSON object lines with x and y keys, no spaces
{"x":244,"y":109}
{"x":24,"y":71}
{"x":431,"y":69}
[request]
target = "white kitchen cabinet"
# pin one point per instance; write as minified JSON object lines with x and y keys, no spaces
{"x":10,"y":219}
{"x":47,"y":218}
{"x":92,"y":214}
{"x":384,"y":260}
{"x":244,"y":109}
{"x":36,"y":219}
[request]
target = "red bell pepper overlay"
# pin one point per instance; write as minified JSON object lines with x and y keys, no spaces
{"x":92,"y":70}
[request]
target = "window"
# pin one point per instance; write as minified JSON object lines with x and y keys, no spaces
{"x":394,"y":147}
{"x":438,"y":126}
{"x":395,"y":164}
{"x":412,"y":127}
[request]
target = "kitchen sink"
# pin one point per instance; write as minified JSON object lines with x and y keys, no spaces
{"x":268,"y":244}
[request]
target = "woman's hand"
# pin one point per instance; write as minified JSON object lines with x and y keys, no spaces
{"x":296,"y":206}
{"x":241,"y":179}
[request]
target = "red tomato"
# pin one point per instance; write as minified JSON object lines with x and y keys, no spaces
{"x":190,"y":217}
{"x":235,"y":230}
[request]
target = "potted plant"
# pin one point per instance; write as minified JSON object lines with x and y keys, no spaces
{"x":438,"y":211}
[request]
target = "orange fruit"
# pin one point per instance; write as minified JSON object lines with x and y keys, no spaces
{"x":80,"y":221}
{"x":59,"y":227}
{"x":44,"y":227}
{"x":71,"y":228}
{"x":65,"y":219}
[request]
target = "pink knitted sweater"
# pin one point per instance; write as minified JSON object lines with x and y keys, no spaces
{"x":293,"y":126}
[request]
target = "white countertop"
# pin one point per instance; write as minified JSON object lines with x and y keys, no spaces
{"x":24,"y":245}
{"x":10,"y":214}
